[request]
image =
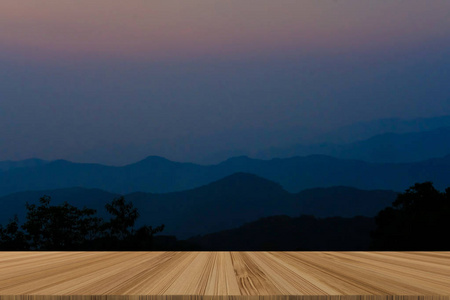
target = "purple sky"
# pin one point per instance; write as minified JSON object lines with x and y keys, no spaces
{"x":182,"y":79}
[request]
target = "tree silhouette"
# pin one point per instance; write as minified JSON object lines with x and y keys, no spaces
{"x":143,"y":237}
{"x":418,"y":220}
{"x":66,"y":227}
{"x":11,"y":237}
{"x":119,"y":233}
{"x":123,"y":218}
{"x":60,"y":227}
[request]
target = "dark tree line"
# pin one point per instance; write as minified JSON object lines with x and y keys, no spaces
{"x":419,"y":219}
{"x":66,"y":227}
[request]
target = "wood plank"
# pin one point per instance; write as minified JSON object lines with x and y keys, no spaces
{"x":224,"y":275}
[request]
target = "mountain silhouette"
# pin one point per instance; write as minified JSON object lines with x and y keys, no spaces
{"x":342,"y":201}
{"x":223,"y":204}
{"x":382,"y":148}
{"x":367,"y":129}
{"x":158,"y":175}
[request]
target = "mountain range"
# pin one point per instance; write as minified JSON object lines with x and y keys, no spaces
{"x":364,"y":130}
{"x":383,"y":148}
{"x":223,"y":204}
{"x":159,"y":175}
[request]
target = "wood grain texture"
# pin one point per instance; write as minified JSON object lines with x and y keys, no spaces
{"x":224,"y":275}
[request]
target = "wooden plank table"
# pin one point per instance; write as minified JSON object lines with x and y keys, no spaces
{"x":224,"y":275}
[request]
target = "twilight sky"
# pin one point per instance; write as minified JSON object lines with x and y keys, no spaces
{"x":114,"y":81}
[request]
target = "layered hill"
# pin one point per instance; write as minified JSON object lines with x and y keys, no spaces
{"x":387,"y":147}
{"x":223,"y":204}
{"x":159,"y":175}
{"x":367,"y":129}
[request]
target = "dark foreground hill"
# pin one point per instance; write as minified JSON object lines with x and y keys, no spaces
{"x":224,"y":204}
{"x":342,"y":201}
{"x":284,"y":233}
